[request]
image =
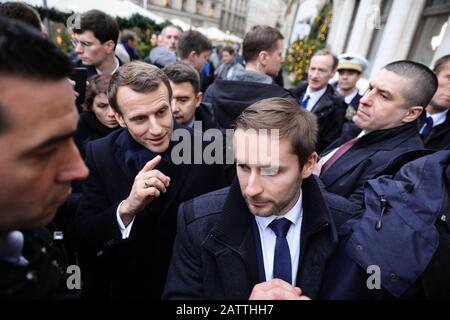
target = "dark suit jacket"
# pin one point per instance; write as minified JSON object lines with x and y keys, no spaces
{"x":215,"y":253}
{"x":45,"y":275}
{"x":369,"y":156}
{"x":330,"y":112}
{"x":355,"y":101}
{"x":205,"y":114}
{"x":137,"y":266}
{"x":439,"y":137}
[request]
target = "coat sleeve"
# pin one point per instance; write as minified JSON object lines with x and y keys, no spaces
{"x":184,"y":280}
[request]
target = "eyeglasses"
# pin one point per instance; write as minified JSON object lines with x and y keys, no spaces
{"x":84,"y":44}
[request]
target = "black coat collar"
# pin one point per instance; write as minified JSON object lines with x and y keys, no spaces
{"x":233,"y":230}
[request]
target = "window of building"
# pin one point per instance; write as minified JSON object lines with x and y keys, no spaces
{"x":431,"y":31}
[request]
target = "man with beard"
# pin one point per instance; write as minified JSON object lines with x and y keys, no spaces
{"x":245,"y":241}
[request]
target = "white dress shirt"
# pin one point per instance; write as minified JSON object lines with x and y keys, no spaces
{"x":350,"y":97}
{"x":268,"y":239}
{"x":125,"y":231}
{"x":313,"y":97}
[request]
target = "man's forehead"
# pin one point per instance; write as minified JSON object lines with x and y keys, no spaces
{"x":257,"y":147}
{"x":86,"y":35}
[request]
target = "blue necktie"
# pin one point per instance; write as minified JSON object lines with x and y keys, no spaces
{"x":427,"y":129}
{"x":304,"y":103}
{"x":282,"y":264}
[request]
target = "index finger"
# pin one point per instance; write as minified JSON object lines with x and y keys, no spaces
{"x":150,"y":165}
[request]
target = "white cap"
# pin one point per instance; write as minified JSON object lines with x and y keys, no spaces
{"x":352,"y":61}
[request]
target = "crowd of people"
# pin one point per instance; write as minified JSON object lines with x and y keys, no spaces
{"x":349,"y":181}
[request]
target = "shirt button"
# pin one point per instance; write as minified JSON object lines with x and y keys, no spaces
{"x":393,"y":276}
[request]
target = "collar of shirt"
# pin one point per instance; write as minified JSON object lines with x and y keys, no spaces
{"x":313,"y":97}
{"x":438,"y":118}
{"x":292,"y":215}
{"x":350,"y":97}
{"x":191,"y":124}
{"x":115,"y":69}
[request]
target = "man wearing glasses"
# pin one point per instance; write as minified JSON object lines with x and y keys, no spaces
{"x":95,"y":43}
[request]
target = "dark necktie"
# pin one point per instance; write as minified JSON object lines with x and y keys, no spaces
{"x":282,"y":264}
{"x":342,"y":149}
{"x":304,"y":103}
{"x":427,"y":129}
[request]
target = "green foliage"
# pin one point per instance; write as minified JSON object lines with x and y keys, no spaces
{"x":301,"y":51}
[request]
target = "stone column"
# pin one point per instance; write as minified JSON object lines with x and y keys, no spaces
{"x":206,"y":7}
{"x":177,"y":4}
{"x":218,"y":9}
{"x":364,"y":26}
{"x":397,"y":37}
{"x":191,"y":6}
{"x":340,"y":24}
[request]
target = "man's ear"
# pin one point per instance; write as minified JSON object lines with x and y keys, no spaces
{"x":413,"y":114}
{"x":110,"y":46}
{"x":199,"y":98}
{"x":191,"y":57}
{"x":119,"y":119}
{"x":262,"y":58}
{"x":309,"y":165}
{"x":333,"y":73}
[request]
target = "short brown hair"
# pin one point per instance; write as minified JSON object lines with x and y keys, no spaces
{"x":22,"y":12}
{"x":260,"y":38}
{"x":294,"y":123}
{"x":326,"y":52}
{"x":192,"y":40}
{"x":138,"y":76}
{"x":439,"y":64}
{"x":179,"y":72}
{"x":103,"y":26}
{"x":97,"y":84}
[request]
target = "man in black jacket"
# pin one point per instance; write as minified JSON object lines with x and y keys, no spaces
{"x":263,"y":54}
{"x":435,"y":131}
{"x":126,"y":220}
{"x":319,"y":97}
{"x":385,"y":126}
{"x":270,"y":235}
{"x":187,"y":106}
{"x":39,"y":159}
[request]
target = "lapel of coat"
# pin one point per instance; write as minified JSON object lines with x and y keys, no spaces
{"x":360,"y":152}
{"x":119,"y":150}
{"x":314,"y":251}
{"x":324,"y":101}
{"x":233,"y":245}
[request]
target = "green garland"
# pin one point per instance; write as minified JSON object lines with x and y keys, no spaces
{"x":301,"y":51}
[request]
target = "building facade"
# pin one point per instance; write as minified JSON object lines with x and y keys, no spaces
{"x":388,"y":30}
{"x":197,"y":13}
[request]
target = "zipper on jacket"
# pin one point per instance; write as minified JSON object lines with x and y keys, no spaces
{"x":384,"y":208}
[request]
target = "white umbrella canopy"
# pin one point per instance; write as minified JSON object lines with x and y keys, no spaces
{"x":215,"y":34}
{"x":115,"y":8}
